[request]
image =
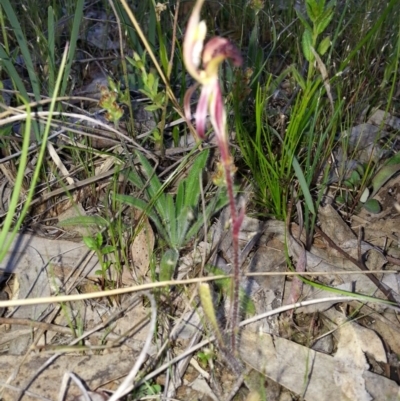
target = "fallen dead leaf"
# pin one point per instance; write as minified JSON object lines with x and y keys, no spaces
{"x":350,"y":360}
{"x":305,"y":371}
{"x":142,"y":249}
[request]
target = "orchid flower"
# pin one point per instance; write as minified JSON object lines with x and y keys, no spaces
{"x":202,"y":65}
{"x":202,"y":62}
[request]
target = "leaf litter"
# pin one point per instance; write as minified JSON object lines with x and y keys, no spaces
{"x":268,"y":294}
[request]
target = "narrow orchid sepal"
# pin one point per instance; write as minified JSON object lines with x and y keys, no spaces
{"x":218,"y":119}
{"x":194,"y":40}
{"x":201,"y":112}
{"x":186,"y":101}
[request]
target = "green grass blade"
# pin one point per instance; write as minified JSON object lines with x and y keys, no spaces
{"x":134,"y":178}
{"x":180,"y":196}
{"x":23,"y":45}
{"x":73,"y":41}
{"x":12,"y":72}
{"x":370,"y":33}
{"x":4,"y":246}
{"x":129,"y":29}
{"x":154,"y":188}
{"x":51,"y":48}
{"x":148,"y":171}
{"x":4,"y":31}
{"x":151,"y":25}
{"x":303,"y":185}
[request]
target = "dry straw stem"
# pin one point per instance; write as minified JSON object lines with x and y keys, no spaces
{"x":150,"y":286}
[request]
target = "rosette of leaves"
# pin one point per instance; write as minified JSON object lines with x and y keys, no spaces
{"x":177,"y":218}
{"x":382,"y":176}
{"x":355,"y":182}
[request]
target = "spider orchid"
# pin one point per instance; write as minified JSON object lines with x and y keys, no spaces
{"x":202,"y":65}
{"x":202,"y":62}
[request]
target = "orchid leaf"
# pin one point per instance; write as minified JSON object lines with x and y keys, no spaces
{"x":154,"y":188}
{"x":144,"y":207}
{"x":219,"y":201}
{"x":382,"y":177}
{"x":385,"y":173}
{"x":185,"y":218}
{"x":169,"y":221}
{"x":365,"y":195}
{"x":372,"y":206}
{"x":85,"y":221}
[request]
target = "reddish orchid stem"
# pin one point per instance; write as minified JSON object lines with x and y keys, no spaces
{"x":236,"y":221}
{"x":235,"y":315}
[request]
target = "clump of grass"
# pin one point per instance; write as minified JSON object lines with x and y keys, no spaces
{"x":288,"y":154}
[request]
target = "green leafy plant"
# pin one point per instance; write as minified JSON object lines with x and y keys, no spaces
{"x":149,"y":82}
{"x":271,"y":158}
{"x":147,"y":389}
{"x":96,"y":244}
{"x":321,"y":15}
{"x":149,"y":86}
{"x":177,"y":218}
{"x":110,"y":101}
{"x":206,"y":357}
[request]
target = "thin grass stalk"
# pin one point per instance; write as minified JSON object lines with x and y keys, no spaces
{"x":6,"y":240}
{"x":51,"y":49}
{"x":78,"y":15}
{"x":236,"y":222}
{"x":4,"y":31}
{"x":23,"y":45}
{"x":368,"y":36}
{"x":13,"y":204}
